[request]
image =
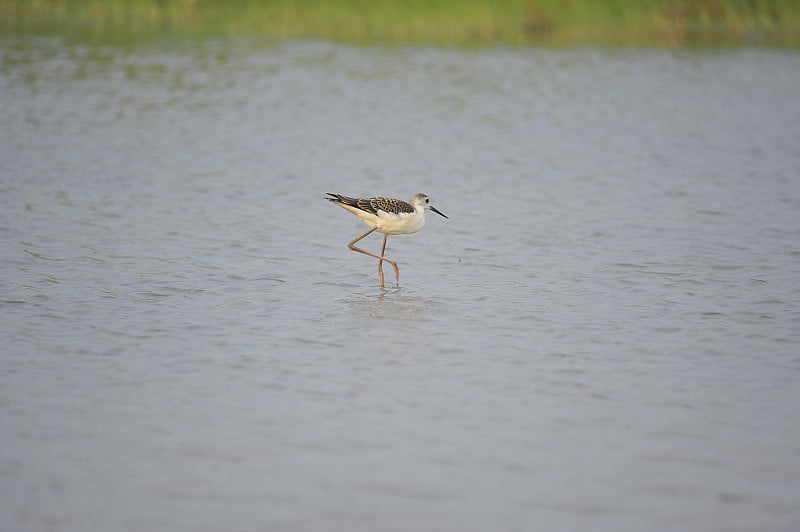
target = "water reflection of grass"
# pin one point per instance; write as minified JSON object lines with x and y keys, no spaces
{"x":448,"y":22}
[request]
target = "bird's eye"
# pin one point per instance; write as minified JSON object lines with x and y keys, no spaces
{"x":427,"y":200}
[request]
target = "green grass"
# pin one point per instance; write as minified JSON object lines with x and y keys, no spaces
{"x":661,"y":23}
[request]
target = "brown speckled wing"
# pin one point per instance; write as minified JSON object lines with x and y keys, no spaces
{"x":372,"y":205}
{"x":392,"y":205}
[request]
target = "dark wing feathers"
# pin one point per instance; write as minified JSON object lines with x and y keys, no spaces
{"x":373,"y":205}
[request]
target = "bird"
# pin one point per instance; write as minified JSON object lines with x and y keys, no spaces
{"x":389,"y":216}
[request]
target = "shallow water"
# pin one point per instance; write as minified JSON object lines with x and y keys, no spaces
{"x":604,"y":335}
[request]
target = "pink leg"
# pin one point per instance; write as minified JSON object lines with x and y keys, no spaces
{"x":394,"y":264}
{"x":381,"y":258}
{"x":380,"y":261}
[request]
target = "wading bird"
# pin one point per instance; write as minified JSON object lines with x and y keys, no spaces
{"x":388,"y":216}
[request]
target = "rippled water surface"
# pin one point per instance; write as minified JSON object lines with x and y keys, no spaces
{"x":603,"y":336}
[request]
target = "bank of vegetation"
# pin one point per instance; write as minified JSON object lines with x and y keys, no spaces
{"x":661,"y":23}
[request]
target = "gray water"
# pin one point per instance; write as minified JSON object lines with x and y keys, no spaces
{"x":603,"y":336}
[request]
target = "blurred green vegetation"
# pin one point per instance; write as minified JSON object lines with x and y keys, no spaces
{"x":661,"y":23}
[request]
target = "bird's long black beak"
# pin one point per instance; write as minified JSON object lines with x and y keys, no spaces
{"x":437,"y":212}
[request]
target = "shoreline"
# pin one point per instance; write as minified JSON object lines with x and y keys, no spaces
{"x":667,"y":24}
